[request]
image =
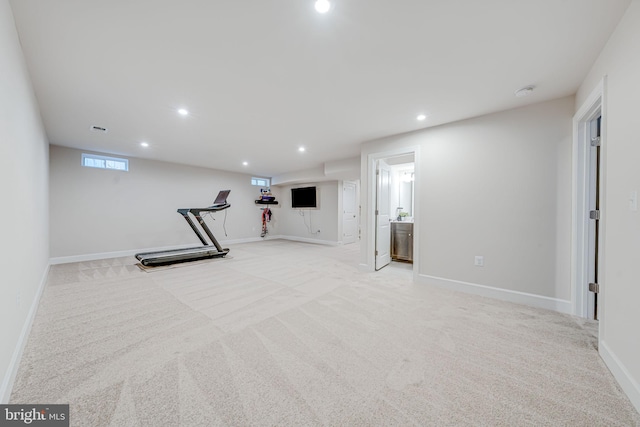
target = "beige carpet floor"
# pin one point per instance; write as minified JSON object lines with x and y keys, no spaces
{"x":292,"y":334}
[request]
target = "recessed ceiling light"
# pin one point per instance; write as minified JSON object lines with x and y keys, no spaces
{"x":421,"y":117}
{"x":322,"y":6}
{"x":144,"y":144}
{"x":245,"y":163}
{"x":302,"y":149}
{"x":527,"y":90}
{"x":183,"y":112}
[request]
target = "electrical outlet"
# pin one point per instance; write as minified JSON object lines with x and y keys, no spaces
{"x":479,"y":261}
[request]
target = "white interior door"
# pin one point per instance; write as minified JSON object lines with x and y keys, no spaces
{"x":383,"y":214}
{"x":594,"y":226}
{"x":349,"y":212}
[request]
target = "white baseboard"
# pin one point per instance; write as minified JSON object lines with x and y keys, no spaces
{"x":132,"y":252}
{"x":12,"y":370}
{"x":239,"y":241}
{"x":366,"y":268}
{"x":279,"y":236}
{"x":116,"y":254}
{"x":305,"y":240}
{"x":555,"y":304}
{"x":628,"y":384}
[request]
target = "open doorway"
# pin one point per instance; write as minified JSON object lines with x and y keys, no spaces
{"x":392,"y":228}
{"x":402,"y":200}
{"x":587,"y":207}
{"x":594,"y":148}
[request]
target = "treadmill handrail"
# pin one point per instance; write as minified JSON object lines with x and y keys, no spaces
{"x":196,"y":211}
{"x":185,"y":214}
{"x":189,"y":254}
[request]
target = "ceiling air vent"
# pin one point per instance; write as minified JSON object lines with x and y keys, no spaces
{"x":99,"y":129}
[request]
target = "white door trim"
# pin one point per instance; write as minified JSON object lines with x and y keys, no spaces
{"x":590,"y":109}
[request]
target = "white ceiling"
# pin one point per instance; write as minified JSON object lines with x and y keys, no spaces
{"x":262,"y":77}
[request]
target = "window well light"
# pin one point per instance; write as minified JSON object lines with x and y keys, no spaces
{"x":322,"y":6}
{"x":144,"y":144}
{"x":183,"y":112}
{"x":421,"y":117}
{"x":302,"y":149}
{"x":245,"y":163}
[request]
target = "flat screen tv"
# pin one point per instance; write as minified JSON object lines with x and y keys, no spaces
{"x":304,"y":197}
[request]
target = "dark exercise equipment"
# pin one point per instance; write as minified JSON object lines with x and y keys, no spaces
{"x":174,"y":256}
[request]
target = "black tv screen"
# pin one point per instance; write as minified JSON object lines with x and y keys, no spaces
{"x":304,"y":197}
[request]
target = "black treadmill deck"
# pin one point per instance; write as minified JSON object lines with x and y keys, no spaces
{"x":175,"y":256}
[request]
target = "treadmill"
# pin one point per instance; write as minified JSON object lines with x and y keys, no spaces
{"x":174,"y":256}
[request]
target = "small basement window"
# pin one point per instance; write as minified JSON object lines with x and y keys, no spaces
{"x":104,"y":162}
{"x":261,"y":182}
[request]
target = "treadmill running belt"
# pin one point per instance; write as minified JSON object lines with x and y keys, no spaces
{"x":180,"y":255}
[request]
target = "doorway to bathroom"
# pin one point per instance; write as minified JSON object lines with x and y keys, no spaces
{"x":394,"y":211}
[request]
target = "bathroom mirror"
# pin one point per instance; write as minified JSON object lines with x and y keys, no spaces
{"x":405,"y":196}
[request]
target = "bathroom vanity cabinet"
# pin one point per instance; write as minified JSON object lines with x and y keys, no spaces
{"x":402,"y":241}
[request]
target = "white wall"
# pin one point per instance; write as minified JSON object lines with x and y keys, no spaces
{"x":24,"y":223}
{"x":497,"y":186}
{"x":290,"y":223}
{"x":337,"y":170}
{"x":95,"y":211}
{"x":620,"y":281}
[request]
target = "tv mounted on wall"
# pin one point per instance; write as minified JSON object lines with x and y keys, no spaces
{"x":304,"y":197}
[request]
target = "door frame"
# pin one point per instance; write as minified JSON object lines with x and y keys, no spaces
{"x":593,"y":106}
{"x":356,"y":184}
{"x":370,"y":198}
